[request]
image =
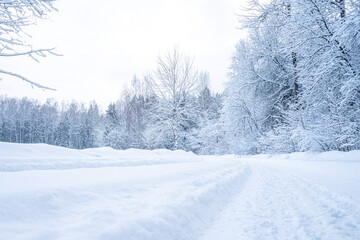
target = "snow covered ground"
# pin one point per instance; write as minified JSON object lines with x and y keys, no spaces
{"x":49,"y":192}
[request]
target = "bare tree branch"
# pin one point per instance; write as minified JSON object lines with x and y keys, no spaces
{"x":26,"y":80}
{"x":15,"y":16}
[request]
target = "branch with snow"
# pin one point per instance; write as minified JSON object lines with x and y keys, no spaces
{"x":26,"y":80}
{"x":15,"y":16}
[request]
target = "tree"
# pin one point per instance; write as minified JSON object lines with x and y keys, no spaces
{"x":114,"y":128}
{"x":174,"y":83}
{"x":15,"y":15}
{"x":47,"y":122}
{"x":134,"y":109}
{"x":94,"y":126}
{"x":294,"y":83}
{"x":63,"y":137}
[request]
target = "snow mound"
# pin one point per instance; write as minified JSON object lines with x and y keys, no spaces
{"x":20,"y":157}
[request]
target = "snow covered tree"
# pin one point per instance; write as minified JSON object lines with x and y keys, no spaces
{"x":326,"y":66}
{"x":135,"y":112}
{"x":295,"y":80}
{"x":175,"y":84}
{"x":94,"y":126}
{"x":47,"y":122}
{"x":63,"y":137}
{"x":28,"y":121}
{"x":210,"y":131}
{"x":260,"y":86}
{"x":114,"y":135}
{"x":205,"y":135}
{"x":15,"y":16}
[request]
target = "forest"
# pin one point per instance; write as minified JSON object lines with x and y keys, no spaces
{"x":293,"y":85}
{"x":276,"y":155}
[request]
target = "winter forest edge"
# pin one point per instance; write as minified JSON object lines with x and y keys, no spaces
{"x":294,"y":85}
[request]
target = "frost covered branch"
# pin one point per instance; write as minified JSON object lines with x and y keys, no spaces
{"x":15,"y":16}
{"x":26,"y":80}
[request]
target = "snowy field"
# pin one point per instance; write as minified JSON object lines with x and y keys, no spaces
{"x":49,"y":192}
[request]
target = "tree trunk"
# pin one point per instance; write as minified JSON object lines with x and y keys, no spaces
{"x":296,"y":85}
{"x":341,"y":4}
{"x":294,"y":62}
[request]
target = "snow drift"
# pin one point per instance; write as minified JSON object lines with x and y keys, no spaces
{"x":18,"y":157}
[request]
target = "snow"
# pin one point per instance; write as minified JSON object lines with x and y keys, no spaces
{"x":337,"y":171}
{"x":49,"y":192}
{"x":277,"y":205}
{"x":19,"y":157}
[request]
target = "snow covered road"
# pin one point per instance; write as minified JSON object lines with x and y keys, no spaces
{"x":166,"y":195}
{"x":169,"y":201}
{"x":278,"y":205}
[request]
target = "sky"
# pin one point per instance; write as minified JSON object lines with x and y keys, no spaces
{"x":104,"y":44}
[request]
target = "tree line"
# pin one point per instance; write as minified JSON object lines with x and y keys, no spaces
{"x":293,"y":85}
{"x":170,"y":108}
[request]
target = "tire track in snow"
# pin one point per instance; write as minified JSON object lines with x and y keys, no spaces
{"x":193,"y":212}
{"x":172,"y":201}
{"x":278,"y":205}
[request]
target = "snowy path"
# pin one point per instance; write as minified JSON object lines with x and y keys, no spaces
{"x":106,"y":194}
{"x":172,"y":201}
{"x":277,"y":205}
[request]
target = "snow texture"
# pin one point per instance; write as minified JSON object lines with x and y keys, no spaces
{"x":49,"y":192}
{"x":43,"y":156}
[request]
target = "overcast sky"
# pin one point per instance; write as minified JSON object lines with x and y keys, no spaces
{"x":105,"y":43}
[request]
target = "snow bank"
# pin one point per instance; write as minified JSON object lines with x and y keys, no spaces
{"x":19,"y":157}
{"x":151,"y":201}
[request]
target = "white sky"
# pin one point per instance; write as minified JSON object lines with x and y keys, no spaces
{"x":104,"y":43}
